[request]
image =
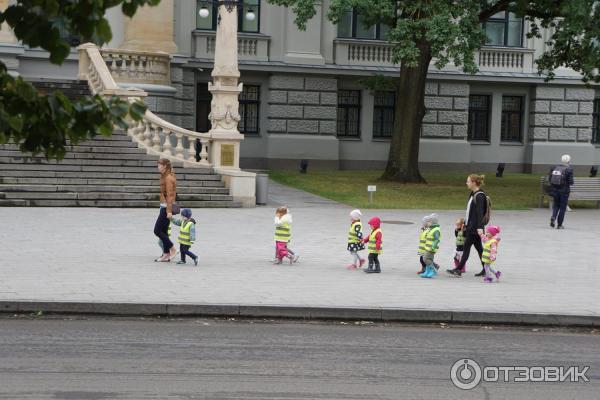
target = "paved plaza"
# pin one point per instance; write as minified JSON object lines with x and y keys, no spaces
{"x":106,"y":255}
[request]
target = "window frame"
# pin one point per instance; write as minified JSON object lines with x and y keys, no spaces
{"x":241,"y":14}
{"x":354,"y":21}
{"x":379,"y":133}
{"x":505,"y":21}
{"x":243,"y":103}
{"x":348,"y":106}
{"x":488,"y":114}
{"x":520,"y":113}
{"x":596,"y":121}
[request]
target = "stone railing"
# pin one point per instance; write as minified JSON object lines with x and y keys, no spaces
{"x":363,"y":52}
{"x":506,"y":59}
{"x":251,"y":46}
{"x":152,"y":133}
{"x":138,"y":66}
{"x":378,"y":53}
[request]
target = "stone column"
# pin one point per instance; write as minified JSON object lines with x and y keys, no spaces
{"x":6,"y":33}
{"x":224,"y":108}
{"x":151,"y":29}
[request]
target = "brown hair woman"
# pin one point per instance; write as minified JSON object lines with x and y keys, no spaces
{"x":168,"y":193}
{"x":476,"y":209}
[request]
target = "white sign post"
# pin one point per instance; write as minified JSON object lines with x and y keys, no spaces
{"x":371,"y":189}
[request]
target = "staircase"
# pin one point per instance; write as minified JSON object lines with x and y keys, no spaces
{"x":103,"y":172}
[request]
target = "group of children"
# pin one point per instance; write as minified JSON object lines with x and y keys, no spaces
{"x":429,"y":242}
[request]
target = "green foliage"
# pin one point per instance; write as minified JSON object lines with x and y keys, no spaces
{"x":453,"y":32}
{"x":36,"y":22}
{"x":44,"y":123}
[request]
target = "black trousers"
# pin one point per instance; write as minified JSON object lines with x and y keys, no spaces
{"x":184,"y":250}
{"x":161,"y":229}
{"x":471,"y":239}
{"x":374,"y":260}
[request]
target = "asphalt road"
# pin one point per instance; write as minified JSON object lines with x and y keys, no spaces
{"x":97,"y":359}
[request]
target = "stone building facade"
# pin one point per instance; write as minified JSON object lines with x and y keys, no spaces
{"x":303,"y":96}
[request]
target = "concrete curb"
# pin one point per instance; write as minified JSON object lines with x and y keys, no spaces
{"x":297,"y":312}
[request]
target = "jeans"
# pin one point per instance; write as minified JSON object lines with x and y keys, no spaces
{"x":559,"y":206}
{"x":161,"y":229}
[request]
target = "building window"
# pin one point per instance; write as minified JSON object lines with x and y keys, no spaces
{"x":351,"y":26}
{"x":249,"y":105}
{"x":383,"y":114}
{"x":348,"y":113}
{"x":504,"y":29}
{"x":244,"y":25}
{"x":596,"y":122}
{"x":479,"y":118}
{"x":512,"y":115}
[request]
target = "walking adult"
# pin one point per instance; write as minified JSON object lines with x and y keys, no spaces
{"x":560,"y":179}
{"x":476,"y":209}
{"x":168,"y":193}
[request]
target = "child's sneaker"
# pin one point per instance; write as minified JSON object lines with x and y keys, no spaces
{"x":277,"y":261}
{"x":180,"y":262}
{"x":487,"y":280}
{"x":361,"y":262}
{"x":351,"y":266}
{"x":196,"y":262}
{"x":498,"y":275}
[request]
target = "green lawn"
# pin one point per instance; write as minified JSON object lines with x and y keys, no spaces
{"x":444,"y":191}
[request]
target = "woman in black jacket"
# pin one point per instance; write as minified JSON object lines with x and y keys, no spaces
{"x":476,"y":209}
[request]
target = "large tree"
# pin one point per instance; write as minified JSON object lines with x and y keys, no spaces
{"x":451,"y":31}
{"x":42,"y":123}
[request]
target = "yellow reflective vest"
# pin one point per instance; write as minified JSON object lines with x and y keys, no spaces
{"x":352,"y":236}
{"x":422,"y":240}
{"x":372,"y":246}
{"x":487,"y":250}
{"x":283,"y":232}
{"x":184,"y":233}
{"x":430,"y":238}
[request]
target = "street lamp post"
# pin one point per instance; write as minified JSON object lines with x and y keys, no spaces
{"x":224,"y":114}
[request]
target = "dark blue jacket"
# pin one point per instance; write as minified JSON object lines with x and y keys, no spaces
{"x":569,"y":180}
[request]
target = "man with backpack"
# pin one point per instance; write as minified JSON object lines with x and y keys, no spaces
{"x":476,"y":217}
{"x":560,"y":180}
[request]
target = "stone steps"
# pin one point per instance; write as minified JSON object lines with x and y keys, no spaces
{"x":105,"y":188}
{"x":101,"y":172}
{"x":111,"y":203}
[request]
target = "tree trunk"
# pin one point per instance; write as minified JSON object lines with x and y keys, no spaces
{"x":403,"y":159}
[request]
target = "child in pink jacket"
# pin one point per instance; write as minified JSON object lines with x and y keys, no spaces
{"x":490,"y":240}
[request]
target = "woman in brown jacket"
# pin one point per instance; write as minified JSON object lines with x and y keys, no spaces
{"x":168,"y":192}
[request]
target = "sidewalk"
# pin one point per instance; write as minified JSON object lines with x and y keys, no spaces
{"x":84,"y":256}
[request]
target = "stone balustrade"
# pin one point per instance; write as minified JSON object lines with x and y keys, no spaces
{"x":251,"y":46}
{"x":129,"y":66}
{"x":379,"y":54}
{"x":152,"y":133}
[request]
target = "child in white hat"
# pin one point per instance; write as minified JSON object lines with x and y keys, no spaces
{"x":355,"y":240}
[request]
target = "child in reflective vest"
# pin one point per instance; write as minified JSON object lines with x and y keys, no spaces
{"x":283,"y":235}
{"x":374,"y":246}
{"x":355,"y":240}
{"x":490,"y":240}
{"x":187,"y":235}
{"x":424,"y":225}
{"x":459,"y":233}
{"x":432,"y":237}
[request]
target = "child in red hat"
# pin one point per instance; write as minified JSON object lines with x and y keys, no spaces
{"x":375,"y":246}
